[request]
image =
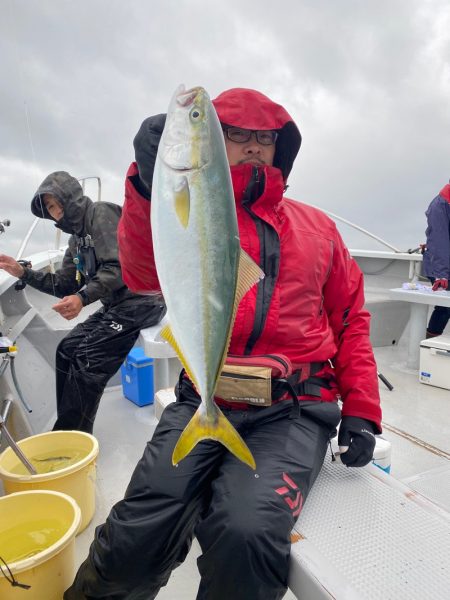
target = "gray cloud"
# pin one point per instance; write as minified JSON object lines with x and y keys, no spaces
{"x":368,"y":84}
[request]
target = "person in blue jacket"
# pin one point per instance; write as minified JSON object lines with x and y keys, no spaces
{"x":436,"y":258}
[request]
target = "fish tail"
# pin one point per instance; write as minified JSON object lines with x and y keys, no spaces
{"x":222,"y":431}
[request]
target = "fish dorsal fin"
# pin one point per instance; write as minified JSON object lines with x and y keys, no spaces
{"x":183,"y":202}
{"x":166,"y":334}
{"x":249,"y":273}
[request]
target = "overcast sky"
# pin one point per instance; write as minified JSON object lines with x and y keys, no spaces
{"x":367,"y":82}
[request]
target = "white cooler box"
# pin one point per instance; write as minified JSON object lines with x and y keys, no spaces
{"x":435,"y":361}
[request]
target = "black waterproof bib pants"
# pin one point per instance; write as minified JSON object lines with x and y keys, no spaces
{"x":241,"y":518}
{"x":92,"y":353}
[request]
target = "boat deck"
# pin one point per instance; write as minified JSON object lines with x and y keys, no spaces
{"x":411,"y":414}
{"x":416,"y":416}
{"x":123,"y":429}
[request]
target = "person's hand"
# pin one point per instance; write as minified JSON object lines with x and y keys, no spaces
{"x":359,"y":436}
{"x":69,"y":307}
{"x":440,"y":283}
{"x":146,"y":145}
{"x":11,"y":266}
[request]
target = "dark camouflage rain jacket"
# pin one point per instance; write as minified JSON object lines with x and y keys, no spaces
{"x":92,"y":246}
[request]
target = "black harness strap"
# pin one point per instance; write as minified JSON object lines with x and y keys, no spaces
{"x":296,"y":386}
{"x":312,"y":386}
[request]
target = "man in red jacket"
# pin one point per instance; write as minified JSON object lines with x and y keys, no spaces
{"x":307,"y":316}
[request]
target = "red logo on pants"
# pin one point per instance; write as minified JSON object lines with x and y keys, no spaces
{"x":291,"y":494}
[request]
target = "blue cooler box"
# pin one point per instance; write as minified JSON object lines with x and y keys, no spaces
{"x":137,"y":377}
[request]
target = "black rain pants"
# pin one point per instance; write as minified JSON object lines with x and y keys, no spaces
{"x":241,"y":518}
{"x":92,"y":353}
{"x":439,"y":318}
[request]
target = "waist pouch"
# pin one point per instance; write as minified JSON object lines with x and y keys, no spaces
{"x":248,"y":379}
{"x":269,"y":378}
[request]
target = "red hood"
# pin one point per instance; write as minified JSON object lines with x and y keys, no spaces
{"x":445,"y":192}
{"x":250,"y":109}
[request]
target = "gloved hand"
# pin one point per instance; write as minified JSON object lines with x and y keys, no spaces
{"x":440,"y":283}
{"x":146,"y":145}
{"x":359,"y":435}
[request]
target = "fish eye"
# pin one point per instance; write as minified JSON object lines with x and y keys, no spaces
{"x":195,"y":114}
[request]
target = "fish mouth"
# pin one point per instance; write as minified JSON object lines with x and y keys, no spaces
{"x":183,"y":169}
{"x":187,"y":97}
{"x":187,"y":170}
{"x":183,"y":165}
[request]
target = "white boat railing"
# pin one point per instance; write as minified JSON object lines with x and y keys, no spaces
{"x":394,"y":253}
{"x":357,"y":227}
{"x":413,"y":256}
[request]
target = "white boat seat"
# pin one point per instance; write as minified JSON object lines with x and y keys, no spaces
{"x":363,"y":535}
{"x":166,"y":365}
{"x":420,"y":302}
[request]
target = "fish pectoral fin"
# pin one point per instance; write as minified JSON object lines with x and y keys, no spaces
{"x":222,"y":431}
{"x":182,"y":200}
{"x":249,"y":274}
{"x":166,"y":334}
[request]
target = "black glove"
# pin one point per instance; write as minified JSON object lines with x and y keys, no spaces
{"x":359,"y":435}
{"x":146,"y":145}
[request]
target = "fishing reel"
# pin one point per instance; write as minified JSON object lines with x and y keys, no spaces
{"x":20,"y":285}
{"x":3,"y":224}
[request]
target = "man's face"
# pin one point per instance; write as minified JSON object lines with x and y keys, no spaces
{"x":258,"y":149}
{"x":53,"y":206}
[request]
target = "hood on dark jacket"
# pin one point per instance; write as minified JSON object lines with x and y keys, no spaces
{"x":249,"y":109}
{"x":70,"y":194}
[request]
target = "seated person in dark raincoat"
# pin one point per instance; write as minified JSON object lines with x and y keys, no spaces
{"x":436,"y":257}
{"x":94,"y":350}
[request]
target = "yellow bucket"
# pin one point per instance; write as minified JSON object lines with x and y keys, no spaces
{"x":65,"y":461}
{"x":37,"y":542}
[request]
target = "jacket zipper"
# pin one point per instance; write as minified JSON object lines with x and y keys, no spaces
{"x":259,"y":322}
{"x":274,"y":357}
{"x":239,"y":376}
{"x":259,"y":316}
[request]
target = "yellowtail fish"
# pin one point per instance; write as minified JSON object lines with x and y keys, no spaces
{"x":202,"y":269}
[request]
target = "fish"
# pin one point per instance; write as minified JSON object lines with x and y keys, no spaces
{"x":202,"y":270}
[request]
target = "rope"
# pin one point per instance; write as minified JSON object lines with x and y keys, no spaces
{"x":35,"y":172}
{"x":9,"y":576}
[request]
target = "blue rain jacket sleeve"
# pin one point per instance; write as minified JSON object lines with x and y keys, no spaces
{"x":437,"y":255}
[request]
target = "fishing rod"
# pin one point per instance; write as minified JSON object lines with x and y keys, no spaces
{"x":3,"y":224}
{"x":357,"y":227}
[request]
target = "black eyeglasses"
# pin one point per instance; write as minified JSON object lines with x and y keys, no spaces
{"x":265,"y":137}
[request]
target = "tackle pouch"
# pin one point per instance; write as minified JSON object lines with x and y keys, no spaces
{"x":248,"y":379}
{"x":86,"y":259}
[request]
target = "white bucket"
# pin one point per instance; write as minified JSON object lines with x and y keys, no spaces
{"x":382,"y":454}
